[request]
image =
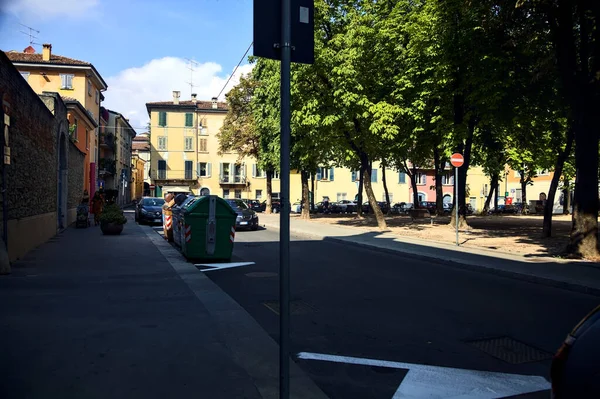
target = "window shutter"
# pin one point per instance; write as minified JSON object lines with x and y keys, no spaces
{"x":452,"y":180}
{"x":221,"y":170}
{"x":374,"y":176}
{"x":253,"y":170}
{"x":319,"y":174}
{"x":198,"y":169}
{"x":208,"y":169}
{"x":424,"y":179}
{"x":188,"y":119}
{"x":402,"y":177}
{"x":331,"y":174}
{"x":353,"y":175}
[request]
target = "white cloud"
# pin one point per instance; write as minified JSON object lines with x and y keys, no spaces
{"x":130,"y":90}
{"x":46,"y":9}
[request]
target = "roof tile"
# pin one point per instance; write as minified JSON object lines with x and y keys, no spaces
{"x":16,"y":56}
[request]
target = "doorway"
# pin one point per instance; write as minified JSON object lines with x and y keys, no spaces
{"x":204,"y":191}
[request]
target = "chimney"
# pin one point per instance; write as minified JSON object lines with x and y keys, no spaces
{"x":214,"y":102}
{"x":47,"y":52}
{"x":176,"y":97}
{"x":194,"y":98}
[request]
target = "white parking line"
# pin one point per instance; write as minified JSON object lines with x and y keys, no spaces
{"x":423,"y":381}
{"x":219,"y":266}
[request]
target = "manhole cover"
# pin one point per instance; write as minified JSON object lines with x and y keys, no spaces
{"x":261,"y":274}
{"x":510,"y":350}
{"x":297,"y":307}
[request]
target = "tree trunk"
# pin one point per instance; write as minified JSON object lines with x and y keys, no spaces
{"x":268,"y":207}
{"x":360,"y":192}
{"x":560,"y":163}
{"x":385,"y":189}
{"x":493,"y":189}
{"x":462,"y":179}
{"x":584,"y":234}
{"x":439,"y":190}
{"x":371,"y":196}
{"x":415,"y":189}
{"x":567,"y":200}
{"x":312,"y":190}
{"x":305,"y":197}
{"x":523,"y":182}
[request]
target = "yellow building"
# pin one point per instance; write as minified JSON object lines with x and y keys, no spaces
{"x":137,"y":177}
{"x":71,"y":78}
{"x":184,"y":158}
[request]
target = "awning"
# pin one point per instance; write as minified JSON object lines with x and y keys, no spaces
{"x":176,"y":189}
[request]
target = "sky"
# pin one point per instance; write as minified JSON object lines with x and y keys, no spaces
{"x":142,"y":49}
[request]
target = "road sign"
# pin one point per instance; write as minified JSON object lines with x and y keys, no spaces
{"x":457,"y":160}
{"x":267,"y":30}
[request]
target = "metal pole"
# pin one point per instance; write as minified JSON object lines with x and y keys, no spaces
{"x":456,"y":197}
{"x":284,"y":224}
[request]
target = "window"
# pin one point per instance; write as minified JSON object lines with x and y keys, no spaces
{"x":162,"y":118}
{"x":543,"y":172}
{"x":238,"y":194}
{"x":224,"y":174}
{"x":373,"y":175}
{"x":189,"y":144}
{"x":89,"y":82}
{"x":238,"y":173}
{"x":257,"y":172}
{"x":203,"y":131}
{"x":189,"y":118}
{"x":202,"y":145}
{"x":25,"y":76}
{"x":97,"y":97}
{"x":162,"y":142}
{"x":402,"y":177}
{"x":355,"y":175}
{"x":225,"y":193}
{"x":66,"y":81}
{"x":87,"y":139}
{"x":274,"y":196}
{"x":325,"y":173}
{"x":258,"y":194}
{"x":189,"y":166}
{"x":162,"y":169}
{"x":391,"y":198}
{"x":421,"y":179}
{"x":276,"y":175}
{"x":447,"y":179}
{"x":204,"y":169}
{"x":341,"y":196}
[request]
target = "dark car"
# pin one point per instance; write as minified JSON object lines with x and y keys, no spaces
{"x":275,"y":206}
{"x":149,"y":210}
{"x":246,"y":217}
{"x":402,"y":208}
{"x":366,"y":207}
{"x":254,"y":204}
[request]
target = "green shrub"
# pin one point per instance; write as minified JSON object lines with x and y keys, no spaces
{"x":113,"y":214}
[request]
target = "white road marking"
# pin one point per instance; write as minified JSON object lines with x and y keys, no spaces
{"x":434,"y":382}
{"x":219,"y":266}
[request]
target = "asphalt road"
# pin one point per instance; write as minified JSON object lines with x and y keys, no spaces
{"x":357,"y":302}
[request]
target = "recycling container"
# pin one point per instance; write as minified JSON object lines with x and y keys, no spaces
{"x":208,"y":228}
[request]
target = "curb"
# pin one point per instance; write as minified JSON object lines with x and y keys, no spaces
{"x":253,"y":349}
{"x":464,"y":265}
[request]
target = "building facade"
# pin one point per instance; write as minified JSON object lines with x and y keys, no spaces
{"x":75,"y":79}
{"x":137,"y":177}
{"x":141,"y":148}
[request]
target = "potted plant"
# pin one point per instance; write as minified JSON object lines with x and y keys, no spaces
{"x":112,"y":220}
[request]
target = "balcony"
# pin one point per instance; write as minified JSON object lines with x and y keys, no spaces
{"x":233,"y":180}
{"x":107,"y":166}
{"x":107,"y":140}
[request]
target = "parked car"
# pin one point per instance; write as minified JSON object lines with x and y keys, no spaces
{"x":366,"y":207}
{"x":296,"y":207}
{"x":149,"y":210}
{"x":254,"y":204}
{"x":246,"y":217}
{"x":275,"y":206}
{"x":347,"y":206}
{"x":431,"y":206}
{"x":402,"y":208}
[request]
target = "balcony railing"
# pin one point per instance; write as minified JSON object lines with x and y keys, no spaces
{"x":161,"y":174}
{"x":228,"y":179}
{"x":107,"y":166}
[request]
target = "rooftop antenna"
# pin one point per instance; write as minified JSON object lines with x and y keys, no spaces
{"x":192,"y":63}
{"x":30,"y":34}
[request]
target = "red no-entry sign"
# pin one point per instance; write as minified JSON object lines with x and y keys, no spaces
{"x":457,"y":160}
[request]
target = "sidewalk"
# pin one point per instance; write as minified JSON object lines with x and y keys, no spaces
{"x":93,"y":316}
{"x":572,"y":275}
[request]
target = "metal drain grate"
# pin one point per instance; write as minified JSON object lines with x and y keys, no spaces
{"x":510,"y":350}
{"x":297,"y":307}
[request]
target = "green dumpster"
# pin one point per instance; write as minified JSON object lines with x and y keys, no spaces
{"x":208,"y":228}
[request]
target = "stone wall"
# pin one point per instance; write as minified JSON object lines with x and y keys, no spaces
{"x":76,"y":159}
{"x":31,"y":175}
